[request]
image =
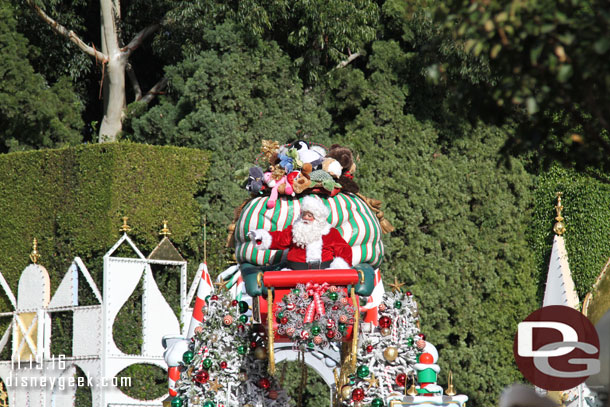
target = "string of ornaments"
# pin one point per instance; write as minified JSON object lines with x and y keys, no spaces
{"x":387,"y":354}
{"x":315,"y":315}
{"x":226,"y":364}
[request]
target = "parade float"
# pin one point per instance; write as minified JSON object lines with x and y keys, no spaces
{"x":364,"y":342}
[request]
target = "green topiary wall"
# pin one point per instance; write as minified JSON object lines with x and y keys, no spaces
{"x":72,"y":201}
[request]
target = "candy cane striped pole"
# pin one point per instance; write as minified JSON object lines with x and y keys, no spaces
{"x":204,"y":289}
{"x":173,"y":375}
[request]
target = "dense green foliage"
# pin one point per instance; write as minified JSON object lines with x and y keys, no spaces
{"x":33,"y":113}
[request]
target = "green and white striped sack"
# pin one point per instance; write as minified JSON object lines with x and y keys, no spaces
{"x":355,"y":221}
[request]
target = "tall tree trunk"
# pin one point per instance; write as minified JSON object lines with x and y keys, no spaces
{"x":114,"y":75}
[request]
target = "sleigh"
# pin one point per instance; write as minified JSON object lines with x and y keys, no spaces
{"x":268,"y":288}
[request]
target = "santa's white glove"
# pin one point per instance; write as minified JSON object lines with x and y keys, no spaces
{"x":256,"y":236}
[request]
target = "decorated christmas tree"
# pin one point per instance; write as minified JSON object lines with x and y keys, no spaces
{"x":386,"y":355}
{"x":226,"y":364}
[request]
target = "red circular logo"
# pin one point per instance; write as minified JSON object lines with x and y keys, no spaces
{"x":556,"y":348}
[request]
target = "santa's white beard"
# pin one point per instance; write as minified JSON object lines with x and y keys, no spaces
{"x":305,"y":233}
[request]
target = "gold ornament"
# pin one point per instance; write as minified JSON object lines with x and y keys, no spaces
{"x":260,"y":353}
{"x":243,"y":376}
{"x":346,"y":392}
{"x":396,"y":286}
{"x":195,"y":400}
{"x":215,"y":386}
{"x":386,"y":331}
{"x":559,"y":227}
{"x":269,"y":149}
{"x":390,"y":353}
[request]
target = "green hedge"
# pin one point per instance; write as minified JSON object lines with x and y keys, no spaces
{"x":72,"y":201}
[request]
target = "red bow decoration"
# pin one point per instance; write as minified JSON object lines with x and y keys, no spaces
{"x":316,"y":306}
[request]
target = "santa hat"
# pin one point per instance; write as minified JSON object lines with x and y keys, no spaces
{"x":314,"y":205}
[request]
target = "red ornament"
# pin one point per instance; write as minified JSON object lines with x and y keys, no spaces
{"x":330,"y":334}
{"x":284,"y":321}
{"x":382,"y":307}
{"x":358,"y":394}
{"x":202,"y":377}
{"x":290,"y":306}
{"x":241,"y":328}
{"x":253,"y":344}
{"x":401,"y":379}
{"x":426,"y":358}
{"x":369,"y":348}
{"x":421,"y":344}
{"x":385,"y":322}
{"x":223,"y":365}
{"x":409,"y":293}
{"x":335,"y":307}
{"x":422,"y":336}
{"x":304,"y":335}
{"x":234,"y":303}
{"x":264,"y":383}
{"x":214,"y":297}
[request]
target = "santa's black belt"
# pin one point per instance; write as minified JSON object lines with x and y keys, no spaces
{"x":312,"y":265}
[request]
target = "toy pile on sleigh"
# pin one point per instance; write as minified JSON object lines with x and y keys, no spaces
{"x":301,"y":168}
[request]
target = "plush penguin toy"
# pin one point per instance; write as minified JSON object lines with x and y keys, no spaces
{"x":309,"y":154}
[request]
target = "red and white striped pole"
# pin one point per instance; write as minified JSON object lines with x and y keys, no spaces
{"x":175,"y":346}
{"x":204,"y":289}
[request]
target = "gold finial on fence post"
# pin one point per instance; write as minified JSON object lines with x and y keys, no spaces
{"x":165,"y":231}
{"x":34,"y":256}
{"x":559,"y":227}
{"x":450,"y":387}
{"x":125,"y":228}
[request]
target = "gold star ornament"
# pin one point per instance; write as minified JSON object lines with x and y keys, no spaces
{"x":215,"y":386}
{"x":396,"y":286}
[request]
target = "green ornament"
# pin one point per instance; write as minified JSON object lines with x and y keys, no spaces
{"x":410,"y":341}
{"x":377,"y":402}
{"x":207,"y":299}
{"x":209,"y":404}
{"x":342,"y":327}
{"x":333,"y":296}
{"x":397,"y":304}
{"x":207,"y":363}
{"x":176,"y":402}
{"x":311,"y":345}
{"x":352,"y":379}
{"x":187,"y":357}
{"x":280,"y":314}
{"x":363,"y":371}
{"x":315,"y":330}
{"x":241,"y":349}
{"x":243,"y":318}
{"x":243,"y":307}
{"x":296,"y":291}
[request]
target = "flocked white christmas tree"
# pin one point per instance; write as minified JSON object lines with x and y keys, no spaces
{"x":387,"y":355}
{"x":226,"y":365}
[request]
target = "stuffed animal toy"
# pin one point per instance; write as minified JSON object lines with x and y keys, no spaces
{"x":280,"y":186}
{"x":286,"y":163}
{"x":302,"y":181}
{"x":345,"y":157}
{"x":332,"y":166}
{"x":313,"y":155}
{"x":320,"y":178}
{"x":255,"y":185}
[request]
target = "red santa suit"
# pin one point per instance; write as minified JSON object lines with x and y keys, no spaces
{"x":331,"y":251}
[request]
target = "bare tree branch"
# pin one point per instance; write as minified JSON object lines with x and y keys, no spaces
{"x":343,"y":64}
{"x":155,"y":90}
{"x":138,"y":39}
{"x":137,"y":90}
{"x":69,"y":34}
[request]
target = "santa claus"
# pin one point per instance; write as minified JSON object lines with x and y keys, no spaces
{"x":311,"y":242}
